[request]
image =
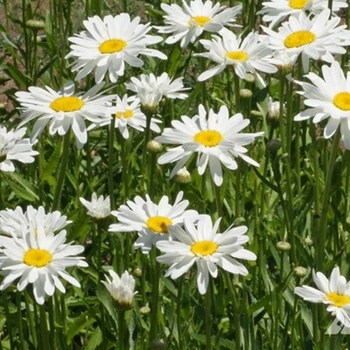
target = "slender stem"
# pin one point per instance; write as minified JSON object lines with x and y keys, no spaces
{"x":45,"y":344}
{"x":178,"y":312}
{"x":208,"y":317}
{"x":56,"y":204}
{"x":155,"y":295}
{"x":20,"y":321}
{"x":8,"y":318}
{"x":121,"y":330}
{"x":322,"y":228}
{"x":111,"y":157}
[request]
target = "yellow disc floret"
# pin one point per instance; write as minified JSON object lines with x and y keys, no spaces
{"x":112,"y":45}
{"x":204,"y":248}
{"x":299,"y":38}
{"x":67,"y":104}
{"x":201,"y":20}
{"x":37,"y":257}
{"x":208,"y":138}
{"x":158,"y":224}
{"x":298,"y":4}
{"x":237,"y":55}
{"x":338,"y":300}
{"x":342,"y":101}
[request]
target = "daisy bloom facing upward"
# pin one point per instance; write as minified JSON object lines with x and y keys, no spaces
{"x":63,"y":110}
{"x":215,"y":138}
{"x":14,"y":147}
{"x":98,"y":208}
{"x":199,"y":242}
{"x":247,"y":55}
{"x":127,"y":112}
{"x":328,"y":98}
{"x":189,"y":22}
{"x":335,"y":293}
{"x":108,"y":43}
{"x":121,"y":289}
{"x":39,"y":260}
{"x":150,"y":220}
{"x":275,"y":11}
{"x":151,"y":89}
{"x":316,"y":37}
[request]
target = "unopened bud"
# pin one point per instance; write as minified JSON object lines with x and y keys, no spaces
{"x":183,"y":176}
{"x":283,"y":246}
{"x":35,"y":24}
{"x":137,"y":272}
{"x":159,"y":344}
{"x":154,"y":146}
{"x":250,"y":78}
{"x":300,"y":271}
{"x":256,"y":114}
{"x":273,"y":146}
{"x":245,"y":93}
{"x":144,"y":310}
{"x":308,"y":241}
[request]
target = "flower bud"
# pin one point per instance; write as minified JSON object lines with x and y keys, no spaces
{"x":121,"y":290}
{"x":159,"y":344}
{"x":183,"y":176}
{"x":300,"y":271}
{"x":283,"y":246}
{"x":144,"y":310}
{"x":154,"y":146}
{"x":35,"y":24}
{"x":308,"y":241}
{"x":245,"y":93}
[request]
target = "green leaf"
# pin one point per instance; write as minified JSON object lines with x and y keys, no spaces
{"x":79,"y":324}
{"x":22,"y":187}
{"x":94,"y":340}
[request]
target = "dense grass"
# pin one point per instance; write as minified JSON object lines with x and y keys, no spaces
{"x":299,"y":195}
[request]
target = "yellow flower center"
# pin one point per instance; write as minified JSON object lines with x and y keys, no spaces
{"x":204,"y":248}
{"x":128,"y":113}
{"x":112,"y":46}
{"x":37,"y":257}
{"x":201,"y":20}
{"x":66,"y":104}
{"x":298,"y":4}
{"x":299,"y":38}
{"x":208,"y":138}
{"x":237,"y":55}
{"x":338,"y":300}
{"x":342,"y":101}
{"x":158,"y":224}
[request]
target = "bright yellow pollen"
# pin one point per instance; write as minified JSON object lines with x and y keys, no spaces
{"x":298,"y":4}
{"x":208,"y":138}
{"x":338,"y":300}
{"x":204,"y":248}
{"x":299,"y":38}
{"x":37,"y":257}
{"x":112,"y":46}
{"x":237,"y":55}
{"x":66,"y":104}
{"x":128,"y":113}
{"x":342,"y":101}
{"x":158,"y":224}
{"x":201,"y":20}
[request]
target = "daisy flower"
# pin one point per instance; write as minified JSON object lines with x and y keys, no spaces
{"x":108,"y":43}
{"x":151,"y":89}
{"x":63,"y":109}
{"x":14,"y":147}
{"x":189,"y":22}
{"x":317,"y":38}
{"x":328,"y":98}
{"x":121,"y":289}
{"x":335,"y":293}
{"x":127,"y":112}
{"x":215,"y":138}
{"x":16,"y":222}
{"x":39,"y":260}
{"x":150,"y":220}
{"x":275,"y":11}
{"x":244,"y":55}
{"x":199,"y":242}
{"x":98,"y":208}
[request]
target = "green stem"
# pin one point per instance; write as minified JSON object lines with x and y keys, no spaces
{"x":155,"y":295}
{"x":178,"y":312}
{"x":20,"y":321}
{"x":45,"y":344}
{"x":111,"y":157}
{"x":8,"y":319}
{"x":322,"y":227}
{"x":208,"y":317}
{"x":56,"y":204}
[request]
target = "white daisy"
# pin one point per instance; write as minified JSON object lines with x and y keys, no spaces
{"x":151,"y":89}
{"x":39,"y":260}
{"x":127,"y":112}
{"x":98,"y":208}
{"x":108,"y":43}
{"x":199,"y":242}
{"x":328,"y":98}
{"x":150,"y":220}
{"x":16,"y":222}
{"x":245,"y":55}
{"x":121,"y":289}
{"x":63,"y":109}
{"x":215,"y":138}
{"x":335,"y":293}
{"x":316,"y":37}
{"x":275,"y":11}
{"x":189,"y":22}
{"x":14,"y":147}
